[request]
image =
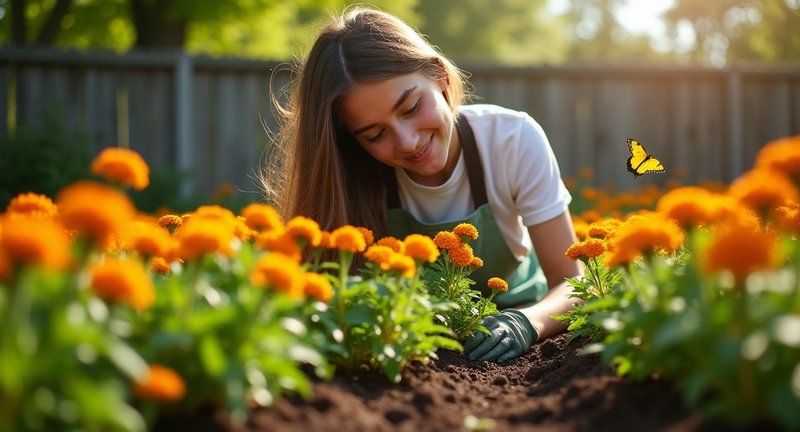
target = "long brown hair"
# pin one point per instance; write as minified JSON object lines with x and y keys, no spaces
{"x":319,"y":170}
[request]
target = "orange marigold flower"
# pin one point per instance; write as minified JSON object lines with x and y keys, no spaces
{"x":279,"y":272}
{"x":280,"y":240}
{"x":96,"y":211}
{"x":643,"y":234}
{"x":462,"y":255}
{"x":369,"y":237}
{"x":586,"y":250}
{"x":160,"y":383}
{"x":591,"y":216}
{"x":741,"y":250}
{"x":476,"y":262}
{"x":325,"y":240}
{"x":402,"y":264}
{"x":242,"y":231}
{"x":199,"y":237}
{"x":317,"y":286}
{"x":122,"y":165}
{"x":788,"y":218}
{"x":421,"y":248}
{"x":782,"y":155}
{"x":497,"y":284}
{"x":349,"y":239}
{"x":123,"y":281}
{"x":379,"y":255}
{"x":38,"y":242}
{"x":466,"y":230}
{"x":147,"y":238}
{"x":763,"y":190}
{"x":447,"y":240}
{"x":393,"y":243}
{"x":159,"y":265}
{"x":580,"y":226}
{"x":261,"y":217}
{"x":689,"y":206}
{"x":170,"y":221}
{"x":590,"y":194}
{"x":33,"y":204}
{"x":586,"y":173}
{"x":215,"y":212}
{"x":603,"y":229}
{"x":301,"y":227}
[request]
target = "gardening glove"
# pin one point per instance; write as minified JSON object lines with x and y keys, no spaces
{"x":511,"y":335}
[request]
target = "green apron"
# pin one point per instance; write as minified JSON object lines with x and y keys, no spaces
{"x":526,"y":281}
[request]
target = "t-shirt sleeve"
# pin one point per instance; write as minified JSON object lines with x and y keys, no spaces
{"x":539,"y":192}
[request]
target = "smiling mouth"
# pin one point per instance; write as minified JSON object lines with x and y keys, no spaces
{"x":422,"y":151}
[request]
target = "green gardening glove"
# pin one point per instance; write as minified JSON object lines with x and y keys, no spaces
{"x":511,"y":334}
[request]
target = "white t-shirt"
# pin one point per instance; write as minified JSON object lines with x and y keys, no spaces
{"x":523,"y":182}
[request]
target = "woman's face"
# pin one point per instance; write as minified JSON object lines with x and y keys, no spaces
{"x":404,"y":122}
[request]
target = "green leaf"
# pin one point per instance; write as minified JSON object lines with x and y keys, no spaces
{"x":212,"y":356}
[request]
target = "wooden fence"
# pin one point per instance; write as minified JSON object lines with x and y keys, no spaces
{"x":207,"y":116}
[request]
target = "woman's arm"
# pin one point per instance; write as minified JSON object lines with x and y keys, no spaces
{"x":551,"y":240}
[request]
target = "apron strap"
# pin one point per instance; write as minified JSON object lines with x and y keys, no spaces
{"x":472,"y":160}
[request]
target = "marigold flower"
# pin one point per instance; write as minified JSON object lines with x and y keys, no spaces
{"x":147,"y":238}
{"x":317,"y":286}
{"x":159,"y":265}
{"x":590,"y":194}
{"x":788,"y":218}
{"x":689,"y":206}
{"x":586,"y":173}
{"x":741,"y":250}
{"x":603,"y":229}
{"x":393,"y":243}
{"x":280,"y":240}
{"x":497,"y":284}
{"x":279,"y":272}
{"x":379,"y":255}
{"x":199,"y":237}
{"x":123,"y":281}
{"x":38,"y":242}
{"x":5,"y":266}
{"x":447,"y":240}
{"x":580,"y":226}
{"x":261,"y":217}
{"x":643,"y":234}
{"x":215,"y":212}
{"x":348,"y":238}
{"x":591,"y":216}
{"x":763,"y":190}
{"x":476,"y":262}
{"x":122,"y":165}
{"x":301,"y":227}
{"x":402,"y":264}
{"x":160,"y":383}
{"x":369,"y":237}
{"x":466,"y":230}
{"x":325,"y":240}
{"x":586,"y":250}
{"x":462,"y":255}
{"x":94,"y":210}
{"x":33,"y":205}
{"x":782,"y":155}
{"x":242,"y":231}
{"x":421,"y":248}
{"x":170,"y":221}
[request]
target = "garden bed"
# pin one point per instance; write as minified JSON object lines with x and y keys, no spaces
{"x":551,"y":388}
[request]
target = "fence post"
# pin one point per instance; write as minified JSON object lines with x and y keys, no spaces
{"x":183,"y":120}
{"x":735,"y":121}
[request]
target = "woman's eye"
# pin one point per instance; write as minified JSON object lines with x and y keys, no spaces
{"x":414,"y":108}
{"x":375,"y":137}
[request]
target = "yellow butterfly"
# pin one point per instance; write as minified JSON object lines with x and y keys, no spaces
{"x":640,"y":162}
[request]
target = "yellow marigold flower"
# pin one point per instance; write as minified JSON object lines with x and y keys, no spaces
{"x":421,"y":248}
{"x":279,"y":272}
{"x":242,"y":231}
{"x":280,"y":240}
{"x":447,"y":240}
{"x":763,"y":190}
{"x":122,"y":165}
{"x":476,"y":262}
{"x":317,"y":286}
{"x":261,"y":217}
{"x":580,"y":226}
{"x":34,"y":205}
{"x":462,"y":255}
{"x":159,"y":265}
{"x":199,"y":237}
{"x":689,"y":206}
{"x":466,"y":230}
{"x":393,"y":243}
{"x":369,"y":237}
{"x":94,"y":210}
{"x":379,"y":255}
{"x":123,"y":281}
{"x":147,"y":238}
{"x":301,"y":227}
{"x":741,"y":250}
{"x":603,"y":229}
{"x":788,"y":218}
{"x":497,"y":284}
{"x":37,"y":242}
{"x":170,"y":221}
{"x":643,"y":234}
{"x":586,"y":250}
{"x":325,"y":240}
{"x":160,"y":383}
{"x":402,"y":264}
{"x":349,"y":239}
{"x":782,"y":155}
{"x":215,"y":212}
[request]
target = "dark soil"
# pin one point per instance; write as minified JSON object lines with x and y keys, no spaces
{"x":551,"y":388}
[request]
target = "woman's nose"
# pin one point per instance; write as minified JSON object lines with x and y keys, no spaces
{"x":407,"y":139}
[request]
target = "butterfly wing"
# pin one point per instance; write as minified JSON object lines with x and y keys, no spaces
{"x":650,"y":165}
{"x":640,"y":162}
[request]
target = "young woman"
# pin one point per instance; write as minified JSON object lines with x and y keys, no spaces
{"x":375,"y":135}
